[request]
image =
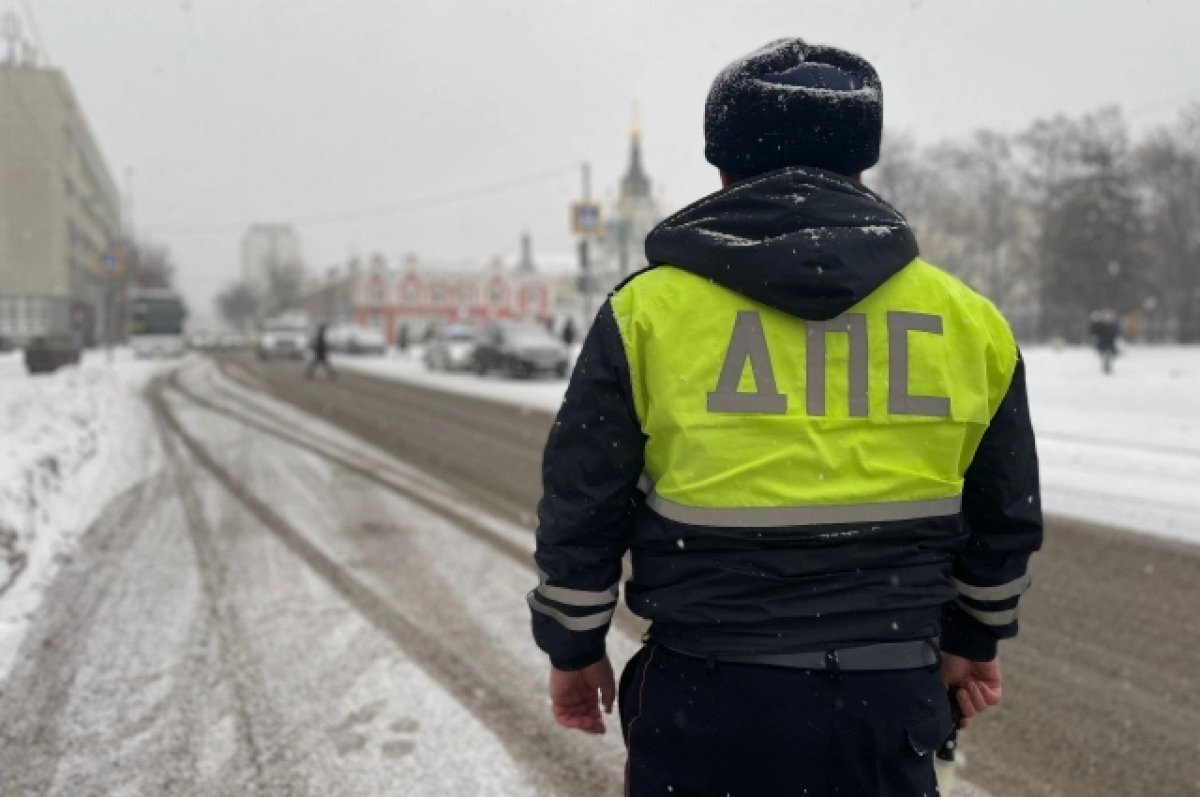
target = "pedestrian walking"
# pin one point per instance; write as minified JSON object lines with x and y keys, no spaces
{"x":568,"y":333}
{"x":1105,"y":329}
{"x":816,"y":447}
{"x":320,"y":355}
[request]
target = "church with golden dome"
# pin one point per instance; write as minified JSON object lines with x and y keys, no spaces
{"x":629,"y":218}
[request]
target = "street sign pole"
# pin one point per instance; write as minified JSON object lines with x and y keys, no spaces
{"x":585,"y":222}
{"x":585,"y":266}
{"x":110,"y":266}
{"x":108,"y":323}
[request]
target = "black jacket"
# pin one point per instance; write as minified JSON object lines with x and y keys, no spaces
{"x":813,"y":244}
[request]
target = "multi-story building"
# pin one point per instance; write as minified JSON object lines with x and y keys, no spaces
{"x":59,"y":210}
{"x":266,"y":247}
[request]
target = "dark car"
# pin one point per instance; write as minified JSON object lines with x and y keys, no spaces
{"x":520,"y":349}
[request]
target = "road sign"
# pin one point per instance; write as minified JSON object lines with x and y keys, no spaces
{"x":585,"y":219}
{"x":110,"y":264}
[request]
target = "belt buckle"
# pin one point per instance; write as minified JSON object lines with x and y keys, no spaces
{"x":831,"y":661}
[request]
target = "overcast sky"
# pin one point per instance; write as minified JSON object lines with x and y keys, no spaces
{"x":335,"y":113}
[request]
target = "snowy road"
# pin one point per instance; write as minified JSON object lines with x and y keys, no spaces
{"x":226,"y":629}
{"x":1100,"y":691}
{"x":283,"y":608}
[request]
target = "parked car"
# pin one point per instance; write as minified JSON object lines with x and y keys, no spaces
{"x":233,"y":340}
{"x":520,"y":349}
{"x":44,"y":355}
{"x":354,"y":339}
{"x":452,"y":348}
{"x":284,"y":336}
{"x":201,"y":339}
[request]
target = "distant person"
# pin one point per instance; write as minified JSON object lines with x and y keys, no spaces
{"x":320,"y":355}
{"x":817,"y":448}
{"x":1106,"y":329}
{"x":569,"y":333}
{"x":402,"y":338}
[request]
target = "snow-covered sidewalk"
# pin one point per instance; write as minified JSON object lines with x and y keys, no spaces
{"x":69,"y":443}
{"x":1122,"y":450}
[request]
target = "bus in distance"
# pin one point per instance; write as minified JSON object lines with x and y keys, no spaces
{"x":156,"y":322}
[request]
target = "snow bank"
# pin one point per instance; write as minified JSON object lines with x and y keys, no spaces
{"x":69,"y":443}
{"x":1122,"y":450}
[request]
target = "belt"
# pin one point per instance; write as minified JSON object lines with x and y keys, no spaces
{"x":910,"y":655}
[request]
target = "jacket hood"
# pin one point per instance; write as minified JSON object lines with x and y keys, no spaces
{"x":806,"y":241}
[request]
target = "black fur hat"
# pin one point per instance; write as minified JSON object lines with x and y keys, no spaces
{"x":794,"y":104}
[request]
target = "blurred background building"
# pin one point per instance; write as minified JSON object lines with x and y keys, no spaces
{"x":266,"y":248}
{"x":411,"y":297}
{"x":628,"y":220}
{"x":59,"y":209}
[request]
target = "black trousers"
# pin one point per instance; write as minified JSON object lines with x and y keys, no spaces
{"x":321,"y":361}
{"x":696,"y":728}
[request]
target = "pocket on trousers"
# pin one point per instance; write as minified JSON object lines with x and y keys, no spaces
{"x":625,"y":708}
{"x":925,"y":733}
{"x":926,"y":737}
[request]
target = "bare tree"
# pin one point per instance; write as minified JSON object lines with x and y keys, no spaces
{"x":239,"y":305}
{"x":909,"y":179}
{"x":1169,"y":170}
{"x":149,"y":265}
{"x":285,"y":283}
{"x":1091,"y":232}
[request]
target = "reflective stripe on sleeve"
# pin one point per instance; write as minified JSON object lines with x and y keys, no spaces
{"x":575,"y":597}
{"x":1001,"y":617}
{"x":645,"y":484}
{"x":999,"y":592}
{"x":777,"y":516}
{"x":588,"y":622}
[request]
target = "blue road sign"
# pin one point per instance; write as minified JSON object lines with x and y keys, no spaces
{"x":109,"y":264}
{"x":585,"y":218}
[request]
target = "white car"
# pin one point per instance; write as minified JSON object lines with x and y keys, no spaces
{"x":452,"y":348}
{"x":354,"y":339}
{"x":285,"y":339}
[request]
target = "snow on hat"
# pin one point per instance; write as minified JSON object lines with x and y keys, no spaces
{"x":794,"y":104}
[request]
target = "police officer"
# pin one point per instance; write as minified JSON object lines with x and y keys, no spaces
{"x":816,"y":447}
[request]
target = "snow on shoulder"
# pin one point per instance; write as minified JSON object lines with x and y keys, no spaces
{"x":72,"y":441}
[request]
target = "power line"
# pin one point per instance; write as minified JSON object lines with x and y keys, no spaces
{"x":406,"y":205}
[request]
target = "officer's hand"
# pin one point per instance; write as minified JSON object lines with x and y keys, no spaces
{"x":575,"y":696}
{"x":978,"y":684}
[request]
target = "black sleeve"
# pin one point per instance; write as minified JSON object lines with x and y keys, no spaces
{"x":590,"y":470}
{"x":1003,"y":511}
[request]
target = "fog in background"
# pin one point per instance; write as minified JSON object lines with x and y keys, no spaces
{"x":341,"y":116}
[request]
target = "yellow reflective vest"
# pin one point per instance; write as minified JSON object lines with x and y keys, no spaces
{"x":757,"y":418}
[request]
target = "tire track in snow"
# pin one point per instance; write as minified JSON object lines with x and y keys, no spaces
{"x":425,"y":436}
{"x":464,"y":517}
{"x":532,"y":746}
{"x":260,"y":750}
{"x":38,"y":690}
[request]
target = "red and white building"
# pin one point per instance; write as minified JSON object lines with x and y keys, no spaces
{"x":389,"y":298}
